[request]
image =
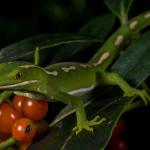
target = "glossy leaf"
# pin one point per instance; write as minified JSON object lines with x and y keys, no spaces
{"x":66,"y":111}
{"x":61,"y":136}
{"x":97,"y":27}
{"x":134,"y":64}
{"x":119,"y":8}
{"x":27,"y":47}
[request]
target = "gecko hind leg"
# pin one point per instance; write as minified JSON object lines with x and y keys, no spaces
{"x":116,"y":79}
{"x":142,"y":93}
{"x":87,"y":125}
{"x":82,"y":121}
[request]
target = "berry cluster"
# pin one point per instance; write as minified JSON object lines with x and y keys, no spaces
{"x":22,"y":119}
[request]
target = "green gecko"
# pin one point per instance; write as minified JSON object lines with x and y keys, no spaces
{"x":64,"y":81}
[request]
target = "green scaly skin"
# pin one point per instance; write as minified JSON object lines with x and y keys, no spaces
{"x":63,"y":81}
{"x":127,"y":33}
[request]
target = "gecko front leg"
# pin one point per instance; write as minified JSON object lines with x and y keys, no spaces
{"x":82,"y":122}
{"x":4,"y":95}
{"x":116,"y":79}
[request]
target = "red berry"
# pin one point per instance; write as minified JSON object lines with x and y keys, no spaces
{"x":24,"y":145}
{"x":8,"y":116}
{"x":117,"y":144}
{"x":35,"y":110}
{"x":18,"y":103}
{"x":42,"y":127}
{"x":30,"y":108}
{"x":4,"y":136}
{"x":24,"y":130}
{"x":119,"y":129}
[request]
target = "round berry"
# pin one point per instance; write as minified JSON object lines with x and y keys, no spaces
{"x":35,"y":110}
{"x":42,"y":128}
{"x":8,"y":116}
{"x":119,"y":128}
{"x":18,"y":103}
{"x":24,"y":130}
{"x":117,"y":143}
{"x":4,"y":136}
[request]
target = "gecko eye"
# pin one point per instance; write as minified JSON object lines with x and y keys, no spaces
{"x":18,"y":75}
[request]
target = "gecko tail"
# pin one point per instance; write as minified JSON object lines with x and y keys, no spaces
{"x":110,"y":50}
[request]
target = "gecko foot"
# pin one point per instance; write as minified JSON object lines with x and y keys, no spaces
{"x":87,"y":124}
{"x":142,"y":93}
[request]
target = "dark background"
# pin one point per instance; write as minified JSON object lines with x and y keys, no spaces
{"x":25,"y":18}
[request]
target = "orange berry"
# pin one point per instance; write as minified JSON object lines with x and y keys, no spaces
{"x":35,"y":110}
{"x":18,"y":103}
{"x":8,"y":116}
{"x":24,"y":130}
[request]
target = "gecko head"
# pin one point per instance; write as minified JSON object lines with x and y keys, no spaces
{"x":15,"y":75}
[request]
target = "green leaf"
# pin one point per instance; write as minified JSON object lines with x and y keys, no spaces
{"x":119,"y":8}
{"x":66,"y":111}
{"x":65,"y":52}
{"x":44,"y":42}
{"x":134,"y":64}
{"x":61,"y":136}
{"x":97,"y":27}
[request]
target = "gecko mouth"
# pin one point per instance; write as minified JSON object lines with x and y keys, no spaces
{"x":18,"y":84}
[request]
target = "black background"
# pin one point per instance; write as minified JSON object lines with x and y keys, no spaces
{"x":25,"y":18}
